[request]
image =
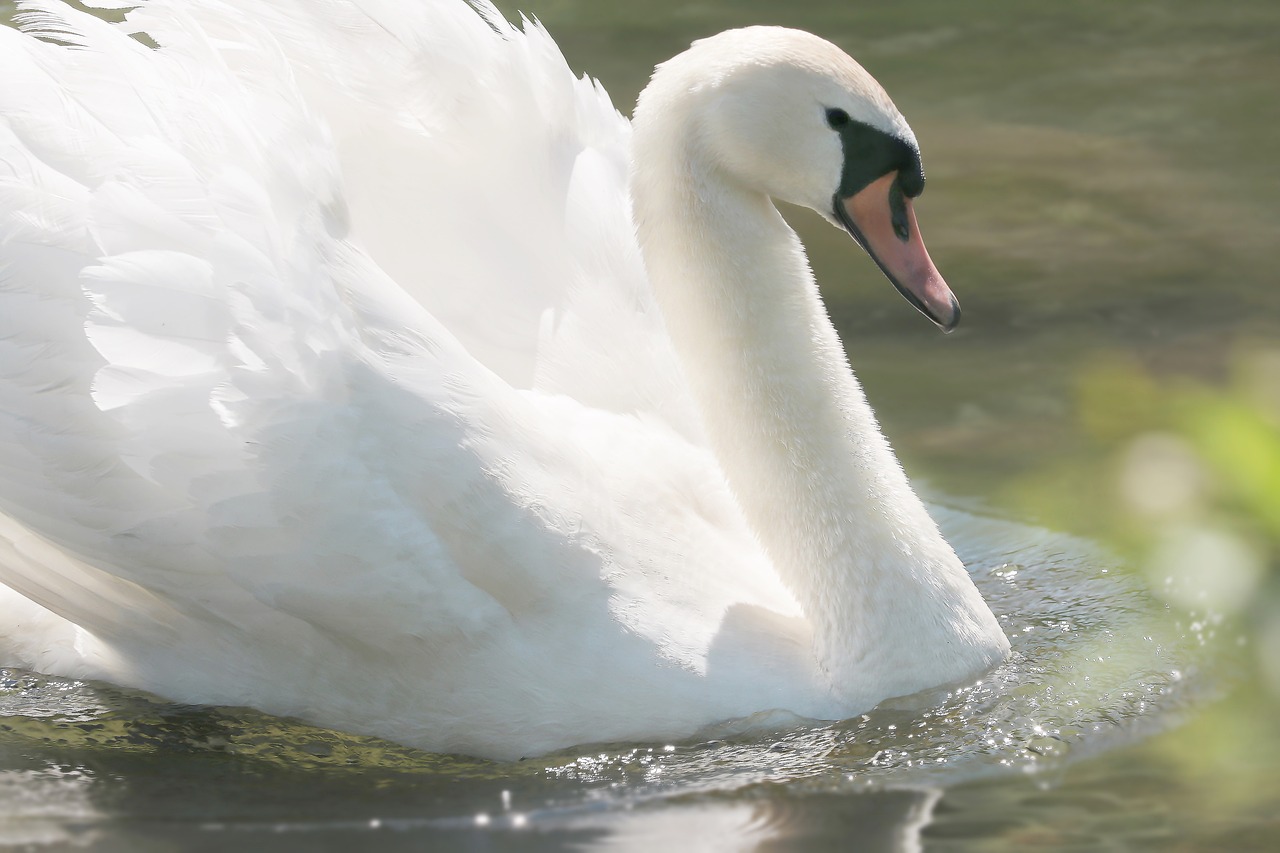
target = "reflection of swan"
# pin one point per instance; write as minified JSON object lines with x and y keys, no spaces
{"x":333,"y":382}
{"x":888,"y":820}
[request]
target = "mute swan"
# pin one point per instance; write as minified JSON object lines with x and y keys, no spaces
{"x":337,"y":382}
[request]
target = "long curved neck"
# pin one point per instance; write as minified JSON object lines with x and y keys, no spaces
{"x":798,"y":443}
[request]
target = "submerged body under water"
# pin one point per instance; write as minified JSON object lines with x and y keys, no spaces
{"x":1097,"y":664}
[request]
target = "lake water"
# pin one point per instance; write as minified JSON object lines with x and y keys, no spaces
{"x":1100,"y":185}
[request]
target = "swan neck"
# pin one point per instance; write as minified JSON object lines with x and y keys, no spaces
{"x":799,"y":445}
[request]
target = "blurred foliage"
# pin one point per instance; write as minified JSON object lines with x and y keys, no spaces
{"x":1182,"y":478}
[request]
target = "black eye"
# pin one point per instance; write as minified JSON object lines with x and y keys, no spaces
{"x":837,"y":118}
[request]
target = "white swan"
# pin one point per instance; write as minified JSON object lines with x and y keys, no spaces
{"x":332,"y":381}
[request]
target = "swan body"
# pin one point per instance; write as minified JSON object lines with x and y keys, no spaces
{"x":357,"y":363}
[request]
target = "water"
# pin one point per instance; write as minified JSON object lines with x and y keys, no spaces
{"x":1100,"y":183}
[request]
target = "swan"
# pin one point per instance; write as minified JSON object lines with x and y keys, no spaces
{"x":359,"y":364}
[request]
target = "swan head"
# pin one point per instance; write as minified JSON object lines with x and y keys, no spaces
{"x":790,"y":115}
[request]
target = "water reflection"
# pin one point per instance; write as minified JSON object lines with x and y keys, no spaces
{"x":47,"y":806}
{"x":56,"y":806}
{"x":884,"y":820}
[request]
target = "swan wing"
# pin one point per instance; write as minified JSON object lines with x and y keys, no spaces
{"x":458,"y":132}
{"x":202,"y":421}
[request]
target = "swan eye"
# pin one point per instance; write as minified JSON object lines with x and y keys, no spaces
{"x":837,"y":118}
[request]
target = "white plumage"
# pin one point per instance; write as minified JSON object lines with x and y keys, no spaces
{"x":332,"y":382}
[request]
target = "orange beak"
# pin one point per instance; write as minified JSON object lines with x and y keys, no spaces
{"x":883,"y":222}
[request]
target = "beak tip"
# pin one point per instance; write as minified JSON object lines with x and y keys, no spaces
{"x":949,"y":325}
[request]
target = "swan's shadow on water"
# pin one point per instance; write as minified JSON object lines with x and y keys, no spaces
{"x":1096,"y":664}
